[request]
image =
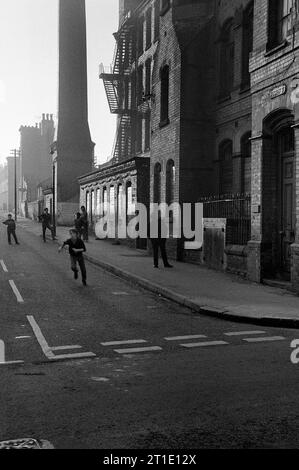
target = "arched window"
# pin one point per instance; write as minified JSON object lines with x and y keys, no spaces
{"x":227,"y":53}
{"x":164,"y":102}
{"x":87,"y":202}
{"x":98,"y":202}
{"x":92,"y":205}
{"x":120,"y":200}
{"x":247,"y":45}
{"x":105,"y":201}
{"x":246,"y":163}
{"x":130,"y":201}
{"x":112,"y":199}
{"x":157,"y":183}
{"x":170,"y":182}
{"x":280,"y":21}
{"x":226,"y":167}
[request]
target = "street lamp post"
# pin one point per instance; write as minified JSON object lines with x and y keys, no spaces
{"x":54,"y":196}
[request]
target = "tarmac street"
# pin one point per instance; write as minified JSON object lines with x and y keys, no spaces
{"x":111,"y":365}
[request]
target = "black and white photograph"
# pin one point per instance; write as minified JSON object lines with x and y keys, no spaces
{"x":149,"y":228}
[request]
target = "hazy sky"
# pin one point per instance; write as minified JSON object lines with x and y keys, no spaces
{"x":29,"y":67}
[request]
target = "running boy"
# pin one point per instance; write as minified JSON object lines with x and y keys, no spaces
{"x":76,"y":249}
{"x":11,"y":229}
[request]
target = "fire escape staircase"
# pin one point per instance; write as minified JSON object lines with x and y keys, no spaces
{"x":114,"y":79}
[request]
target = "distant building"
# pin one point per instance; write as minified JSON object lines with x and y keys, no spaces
{"x":36,"y":163}
{"x":73,"y":149}
{"x":13,"y":178}
{"x":3,"y":188}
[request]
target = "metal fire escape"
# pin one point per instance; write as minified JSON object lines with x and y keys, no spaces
{"x":117,"y":82}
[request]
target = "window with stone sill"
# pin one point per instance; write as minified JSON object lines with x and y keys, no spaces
{"x":164,"y":101}
{"x":247,"y":45}
{"x":227,"y":57}
{"x":157,"y":20}
{"x":148,"y":27}
{"x":280,"y":21}
{"x":226,"y":167}
{"x":147,"y":132}
{"x":140,"y":39}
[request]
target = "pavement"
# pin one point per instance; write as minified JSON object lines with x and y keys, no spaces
{"x":202,"y":290}
{"x":114,"y":366}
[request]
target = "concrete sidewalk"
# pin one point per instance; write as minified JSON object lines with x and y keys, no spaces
{"x":198,"y":288}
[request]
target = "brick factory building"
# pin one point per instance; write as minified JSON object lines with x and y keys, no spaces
{"x":206,"y":97}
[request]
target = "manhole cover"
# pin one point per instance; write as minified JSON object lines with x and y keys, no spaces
{"x":25,"y":444}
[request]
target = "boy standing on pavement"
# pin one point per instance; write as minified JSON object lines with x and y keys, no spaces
{"x":46,"y":224}
{"x":76,"y":249}
{"x":11,"y":229}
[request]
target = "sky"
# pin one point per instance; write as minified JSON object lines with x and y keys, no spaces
{"x":29,"y":68}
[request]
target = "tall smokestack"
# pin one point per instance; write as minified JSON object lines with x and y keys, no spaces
{"x":74,"y":144}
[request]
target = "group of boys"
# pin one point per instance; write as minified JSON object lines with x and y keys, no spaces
{"x":75,"y":245}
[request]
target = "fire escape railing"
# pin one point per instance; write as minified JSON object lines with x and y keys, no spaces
{"x":116,"y":81}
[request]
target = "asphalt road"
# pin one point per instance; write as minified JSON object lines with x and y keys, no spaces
{"x":187,"y":381}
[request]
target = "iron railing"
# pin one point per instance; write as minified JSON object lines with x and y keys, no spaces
{"x":236,"y":209}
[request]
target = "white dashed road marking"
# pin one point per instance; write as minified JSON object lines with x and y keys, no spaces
{"x":16,"y":292}
{"x":204,"y":344}
{"x":138,"y":350}
{"x":3,"y":266}
{"x":119,"y":343}
{"x":243,"y":333}
{"x":47,"y":350}
{"x":182,"y":338}
{"x":66,"y":348}
{"x":2,"y":356}
{"x":266,"y":338}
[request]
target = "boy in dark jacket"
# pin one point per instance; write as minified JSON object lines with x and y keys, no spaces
{"x":76,"y":249}
{"x":11,"y":229}
{"x":46,"y":220}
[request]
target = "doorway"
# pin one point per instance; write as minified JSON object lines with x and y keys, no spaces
{"x":286,"y":222}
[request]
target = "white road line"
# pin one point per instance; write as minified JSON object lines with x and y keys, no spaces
{"x":267,"y":338}
{"x":65,"y":348}
{"x":22,"y":337}
{"x":181,"y":338}
{"x":2,"y":356}
{"x":40,"y":338}
{"x":242,"y":333}
{"x":47,"y":350}
{"x":3,"y":266}
{"x":138,"y":350}
{"x":16,"y":292}
{"x":204,"y":344}
{"x":120,"y":293}
{"x":85,"y":355}
{"x":119,"y":343}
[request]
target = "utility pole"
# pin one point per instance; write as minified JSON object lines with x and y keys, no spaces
{"x":15,"y":153}
{"x":54,"y":197}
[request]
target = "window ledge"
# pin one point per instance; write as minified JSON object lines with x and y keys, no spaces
{"x":223,"y":98}
{"x":164,"y":123}
{"x":272,"y":49}
{"x":245,"y":88}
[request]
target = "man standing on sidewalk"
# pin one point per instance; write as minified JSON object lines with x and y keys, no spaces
{"x":11,"y":229}
{"x":159,"y":240}
{"x":46,"y":224}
